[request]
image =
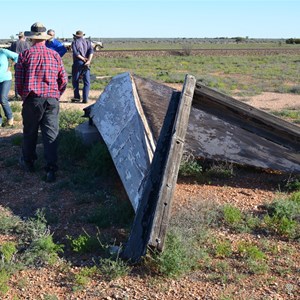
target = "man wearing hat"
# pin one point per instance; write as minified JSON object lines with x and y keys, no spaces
{"x":82,"y":57}
{"x":21,"y":44}
{"x":40,"y":79}
{"x":18,"y":46}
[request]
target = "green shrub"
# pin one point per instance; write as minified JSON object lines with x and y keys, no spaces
{"x":84,"y":243}
{"x":294,"y":89}
{"x":42,"y":250}
{"x":69,"y":119}
{"x":84,"y":275}
{"x":250,"y":251}
{"x":4,"y":278}
{"x":113,"y":268}
{"x":191,"y":168}
{"x":223,"y":249}
{"x":257,"y":266}
{"x":8,"y":250}
{"x":178,"y":258}
{"x":78,"y":244}
{"x":221,"y":170}
{"x":9,"y":223}
{"x":232,"y":215}
{"x":253,"y":223}
{"x":16,"y":107}
{"x":40,"y":245}
{"x":71,"y":147}
{"x":281,"y":225}
{"x":293,"y":185}
{"x":295,"y":197}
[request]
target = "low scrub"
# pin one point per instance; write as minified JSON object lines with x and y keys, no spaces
{"x":33,"y":245}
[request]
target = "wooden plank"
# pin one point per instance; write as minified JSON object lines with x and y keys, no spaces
{"x":169,"y":178}
{"x":162,"y":178}
{"x":142,"y":225}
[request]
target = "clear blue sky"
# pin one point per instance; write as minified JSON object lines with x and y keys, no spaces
{"x":156,"y":18}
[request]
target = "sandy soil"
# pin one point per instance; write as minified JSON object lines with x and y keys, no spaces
{"x":275,"y":101}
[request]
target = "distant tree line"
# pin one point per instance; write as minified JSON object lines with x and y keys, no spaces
{"x":292,"y":41}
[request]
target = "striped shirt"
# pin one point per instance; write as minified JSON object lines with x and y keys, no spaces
{"x":39,"y":72}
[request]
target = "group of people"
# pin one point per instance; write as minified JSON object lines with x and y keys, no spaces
{"x":40,"y":80}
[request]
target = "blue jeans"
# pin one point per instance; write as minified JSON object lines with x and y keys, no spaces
{"x":40,"y":113}
{"x":77,"y":70}
{"x":4,"y":90}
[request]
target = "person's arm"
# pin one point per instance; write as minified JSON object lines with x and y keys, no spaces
{"x":60,"y":48}
{"x":3,"y":67}
{"x":90,"y":54}
{"x":12,"y":55}
{"x":89,"y":59}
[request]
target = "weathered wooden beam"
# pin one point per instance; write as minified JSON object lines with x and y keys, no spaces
{"x":169,"y":178}
{"x":159,"y":188}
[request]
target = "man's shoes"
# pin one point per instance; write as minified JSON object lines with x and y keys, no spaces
{"x":75,"y":100}
{"x":50,"y":176}
{"x":26,"y":166}
{"x":10,"y":122}
{"x":85,"y":101}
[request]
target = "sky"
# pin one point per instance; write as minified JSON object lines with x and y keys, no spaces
{"x":155,"y":19}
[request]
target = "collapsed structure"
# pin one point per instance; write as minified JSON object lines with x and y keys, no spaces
{"x":147,"y":126}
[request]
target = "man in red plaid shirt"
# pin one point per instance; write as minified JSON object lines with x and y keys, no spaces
{"x":40,"y":80}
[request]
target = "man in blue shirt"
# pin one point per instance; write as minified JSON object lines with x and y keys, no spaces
{"x":54,"y":44}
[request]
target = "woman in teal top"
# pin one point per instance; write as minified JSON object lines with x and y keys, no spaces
{"x":5,"y":83}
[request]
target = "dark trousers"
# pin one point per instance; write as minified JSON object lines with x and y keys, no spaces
{"x":40,"y":113}
{"x":79,"y":70}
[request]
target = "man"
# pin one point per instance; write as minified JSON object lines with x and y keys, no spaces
{"x":82,"y":57}
{"x":55,"y":44}
{"x":20,"y":45}
{"x":41,"y":80}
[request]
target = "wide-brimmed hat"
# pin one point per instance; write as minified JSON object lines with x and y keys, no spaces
{"x":38,"y":32}
{"x":20,"y":34}
{"x":79,"y":34}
